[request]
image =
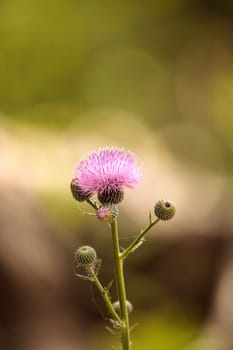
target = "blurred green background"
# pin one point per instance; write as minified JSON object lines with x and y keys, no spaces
{"x":155,"y":77}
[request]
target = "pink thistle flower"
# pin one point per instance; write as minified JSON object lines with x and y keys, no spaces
{"x":107,"y":172}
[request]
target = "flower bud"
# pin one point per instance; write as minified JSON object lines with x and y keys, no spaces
{"x":77,"y":193}
{"x":110,"y":196}
{"x":117,"y":308}
{"x":164,"y":209}
{"x":85,"y":255}
{"x":107,"y":213}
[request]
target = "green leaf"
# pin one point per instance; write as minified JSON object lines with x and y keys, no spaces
{"x":83,"y":277}
{"x":142,"y":240}
{"x":150,"y":217}
{"x":97,"y":267}
{"x":112,"y":331}
{"x":109,"y":285}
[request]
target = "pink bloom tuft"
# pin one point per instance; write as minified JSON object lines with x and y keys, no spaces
{"x":109,"y":169}
{"x":108,"y":213}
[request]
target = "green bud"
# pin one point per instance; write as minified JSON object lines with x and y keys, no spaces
{"x":77,"y":193}
{"x":164,"y":210}
{"x":85,"y":255}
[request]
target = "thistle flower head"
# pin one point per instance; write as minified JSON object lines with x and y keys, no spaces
{"x":108,"y":172}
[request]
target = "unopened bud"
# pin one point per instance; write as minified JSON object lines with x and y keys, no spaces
{"x":77,"y":193}
{"x":164,"y":210}
{"x":85,"y":255}
{"x":107,"y":213}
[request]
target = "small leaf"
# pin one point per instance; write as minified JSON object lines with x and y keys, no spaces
{"x":134,"y":326}
{"x":97,"y":267}
{"x":109,"y":285}
{"x":112,"y":331}
{"x":138,"y":245}
{"x":83,"y":277}
{"x":115,"y":324}
{"x":150,"y":218}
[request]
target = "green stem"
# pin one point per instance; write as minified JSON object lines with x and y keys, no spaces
{"x":104,"y":294}
{"x":92,"y":203}
{"x":118,"y":262}
{"x":138,"y":240}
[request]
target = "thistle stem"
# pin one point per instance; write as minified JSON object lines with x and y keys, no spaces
{"x":104,"y":293}
{"x":120,"y":283}
{"x":92,"y":203}
{"x":139,"y":239}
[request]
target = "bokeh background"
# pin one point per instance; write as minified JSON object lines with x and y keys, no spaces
{"x":155,"y":77}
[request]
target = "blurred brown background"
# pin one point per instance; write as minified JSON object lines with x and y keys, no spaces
{"x":155,"y":77}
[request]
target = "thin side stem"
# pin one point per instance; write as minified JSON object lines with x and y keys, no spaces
{"x":125,"y":330}
{"x":104,"y":294}
{"x":92,"y":203}
{"x":138,"y":240}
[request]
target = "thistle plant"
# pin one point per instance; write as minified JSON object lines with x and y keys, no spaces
{"x":101,"y":180}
